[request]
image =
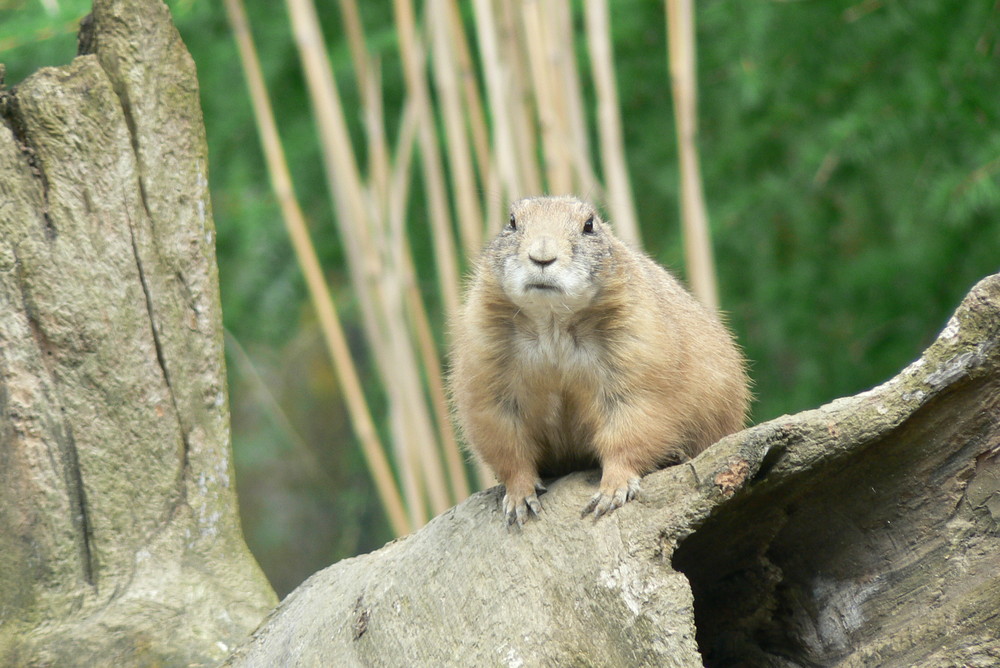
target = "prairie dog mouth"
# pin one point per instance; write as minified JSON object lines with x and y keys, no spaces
{"x":541,"y":286}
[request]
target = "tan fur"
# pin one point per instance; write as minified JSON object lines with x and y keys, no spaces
{"x":573,"y":350}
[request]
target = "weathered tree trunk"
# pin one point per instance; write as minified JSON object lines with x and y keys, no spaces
{"x":862,"y":533}
{"x":119,"y":536}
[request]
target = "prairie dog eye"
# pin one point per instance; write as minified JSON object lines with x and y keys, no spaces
{"x":513,"y":223}
{"x":588,"y":226}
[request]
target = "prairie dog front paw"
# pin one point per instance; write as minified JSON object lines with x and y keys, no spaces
{"x":520,"y":500}
{"x":609,"y":498}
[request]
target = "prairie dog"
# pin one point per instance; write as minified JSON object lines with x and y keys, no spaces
{"x":573,"y":350}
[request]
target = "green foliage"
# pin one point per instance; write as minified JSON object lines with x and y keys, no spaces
{"x":855,"y":189}
{"x":32,"y":36}
{"x":851,"y":156}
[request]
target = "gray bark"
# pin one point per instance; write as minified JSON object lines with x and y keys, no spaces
{"x":119,"y":536}
{"x":865,"y":532}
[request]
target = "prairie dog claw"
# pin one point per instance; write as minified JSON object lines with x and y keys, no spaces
{"x":516,"y":507}
{"x":605,"y":501}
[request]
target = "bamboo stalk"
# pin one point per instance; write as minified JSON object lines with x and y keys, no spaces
{"x":542,"y":48}
{"x":414,"y":435}
{"x":281,"y":183}
{"x":368,"y":76}
{"x":413,"y":58}
{"x":359,"y":229}
{"x":355,"y":39}
{"x":396,"y":195}
{"x":496,"y":78}
{"x":341,"y":170}
{"x":362,"y":232}
{"x":494,"y":204}
{"x":413,"y":484}
{"x":433,"y":173}
{"x":519,"y":101}
{"x":439,"y":402}
{"x":470,"y":223}
{"x":405,"y":386}
{"x":418,"y":314}
{"x":471,"y":95}
{"x":407,"y":394}
{"x":565,"y":71}
{"x":378,"y":148}
{"x":694,"y":216}
{"x":613,"y":166}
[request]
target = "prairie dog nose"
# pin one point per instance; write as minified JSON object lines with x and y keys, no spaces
{"x":542,"y":251}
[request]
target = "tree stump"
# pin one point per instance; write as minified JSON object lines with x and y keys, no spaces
{"x":119,"y":534}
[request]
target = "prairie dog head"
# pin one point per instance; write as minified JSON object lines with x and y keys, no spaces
{"x":551,"y":255}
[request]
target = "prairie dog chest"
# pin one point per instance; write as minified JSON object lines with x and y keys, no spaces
{"x":557,"y":380}
{"x":554,"y":347}
{"x":553,"y":362}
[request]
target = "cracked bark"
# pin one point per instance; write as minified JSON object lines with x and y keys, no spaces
{"x":865,"y":532}
{"x":61,"y":431}
{"x":119,"y":538}
{"x":158,"y":345}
